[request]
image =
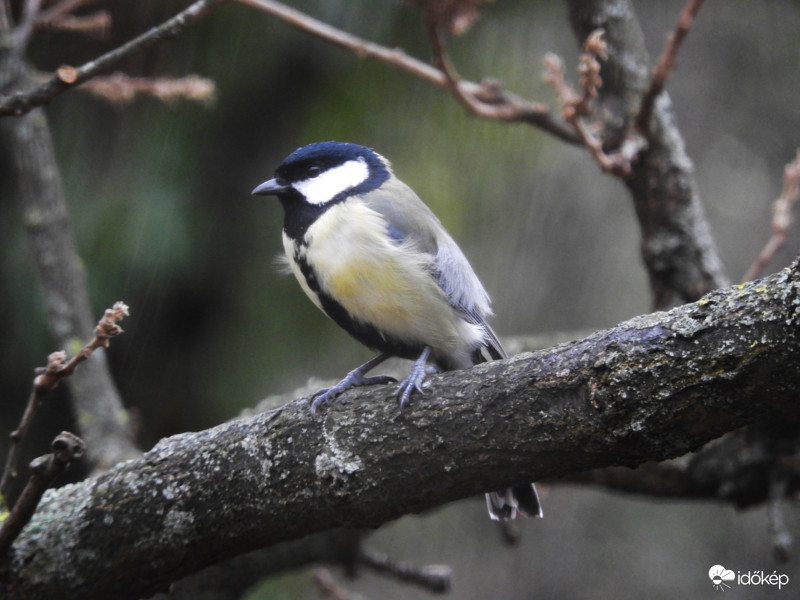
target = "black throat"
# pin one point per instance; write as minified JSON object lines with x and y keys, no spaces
{"x":298,"y":215}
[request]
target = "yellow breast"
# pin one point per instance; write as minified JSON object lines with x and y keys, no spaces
{"x":377,"y":281}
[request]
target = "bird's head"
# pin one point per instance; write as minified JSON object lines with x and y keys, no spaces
{"x":326,"y":172}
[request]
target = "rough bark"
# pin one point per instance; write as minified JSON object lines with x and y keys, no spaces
{"x":652,"y":388}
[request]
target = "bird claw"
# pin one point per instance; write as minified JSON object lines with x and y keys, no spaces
{"x":356,"y":378}
{"x":415,"y":379}
{"x":353,"y":379}
{"x":407,"y":387}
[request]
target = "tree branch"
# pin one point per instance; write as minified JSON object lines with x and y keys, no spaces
{"x":666,"y":64}
{"x":230,"y":579}
{"x":781,"y":218}
{"x":486,"y":99}
{"x":677,"y":247}
{"x":28,"y":146}
{"x":66,"y":448}
{"x":433,"y":578}
{"x":735,"y":468}
{"x":652,"y":388}
{"x":18,"y":103}
{"x":680,"y":255}
{"x":24,"y":29}
{"x":575,"y":107}
{"x":120,"y":89}
{"x":46,"y":380}
{"x":501,"y":104}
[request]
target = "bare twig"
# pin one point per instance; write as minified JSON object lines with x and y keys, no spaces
{"x":120,"y":88}
{"x":47,"y":379}
{"x":434,"y":578}
{"x":61,"y":9}
{"x":67,"y":77}
{"x":485,"y":102}
{"x":781,"y":218}
{"x":66,"y":448}
{"x":441,"y":59}
{"x":106,"y":329}
{"x":5,"y":16}
{"x":781,"y":538}
{"x":24,"y":29}
{"x":453,"y":16}
{"x":486,"y":99}
{"x":329,"y":588}
{"x":665,"y":65}
{"x":575,"y":106}
{"x":96,"y":25}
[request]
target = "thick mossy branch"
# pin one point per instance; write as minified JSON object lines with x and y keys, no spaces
{"x":652,"y":388}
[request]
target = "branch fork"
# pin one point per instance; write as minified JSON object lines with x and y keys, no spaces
{"x":66,"y":447}
{"x":47,"y":379}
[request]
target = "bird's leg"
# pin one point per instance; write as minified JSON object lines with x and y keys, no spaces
{"x":414,"y":380}
{"x":353,"y":379}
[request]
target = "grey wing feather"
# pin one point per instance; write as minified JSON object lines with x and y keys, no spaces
{"x":407,"y":216}
{"x":410,"y":219}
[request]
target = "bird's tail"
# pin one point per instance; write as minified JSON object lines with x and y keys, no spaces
{"x":514,"y":501}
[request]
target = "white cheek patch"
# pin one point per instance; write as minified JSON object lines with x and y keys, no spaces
{"x":330,"y":183}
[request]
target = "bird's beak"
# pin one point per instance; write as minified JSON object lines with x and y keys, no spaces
{"x":269,"y":188}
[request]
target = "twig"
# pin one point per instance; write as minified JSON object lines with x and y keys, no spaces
{"x":61,"y":9}
{"x":441,"y":59}
{"x":495,"y":102}
{"x":24,"y":29}
{"x":665,"y":65}
{"x":452,"y":16}
{"x":330,"y":589}
{"x":486,"y":102}
{"x":5,"y":16}
{"x":67,"y":76}
{"x":66,"y":448}
{"x":434,"y":578}
{"x":781,"y":538}
{"x":575,"y":106}
{"x":96,"y":25}
{"x":540,"y":405}
{"x":120,"y":88}
{"x":47,"y":379}
{"x":781,"y":218}
{"x":488,"y":98}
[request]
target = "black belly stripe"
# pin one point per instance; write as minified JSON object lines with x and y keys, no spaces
{"x":365,"y":333}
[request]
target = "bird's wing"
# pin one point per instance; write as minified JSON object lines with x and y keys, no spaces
{"x":411,"y":221}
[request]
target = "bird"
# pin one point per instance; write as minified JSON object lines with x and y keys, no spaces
{"x":374,"y":258}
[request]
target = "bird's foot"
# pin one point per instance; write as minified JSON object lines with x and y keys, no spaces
{"x":354,"y":378}
{"x":419,"y":371}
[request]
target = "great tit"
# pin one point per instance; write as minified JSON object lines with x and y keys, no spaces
{"x":375,"y":259}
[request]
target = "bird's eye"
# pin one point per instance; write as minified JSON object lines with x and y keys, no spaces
{"x":313,"y":171}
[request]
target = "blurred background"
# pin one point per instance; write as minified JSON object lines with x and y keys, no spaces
{"x":161,"y":207}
